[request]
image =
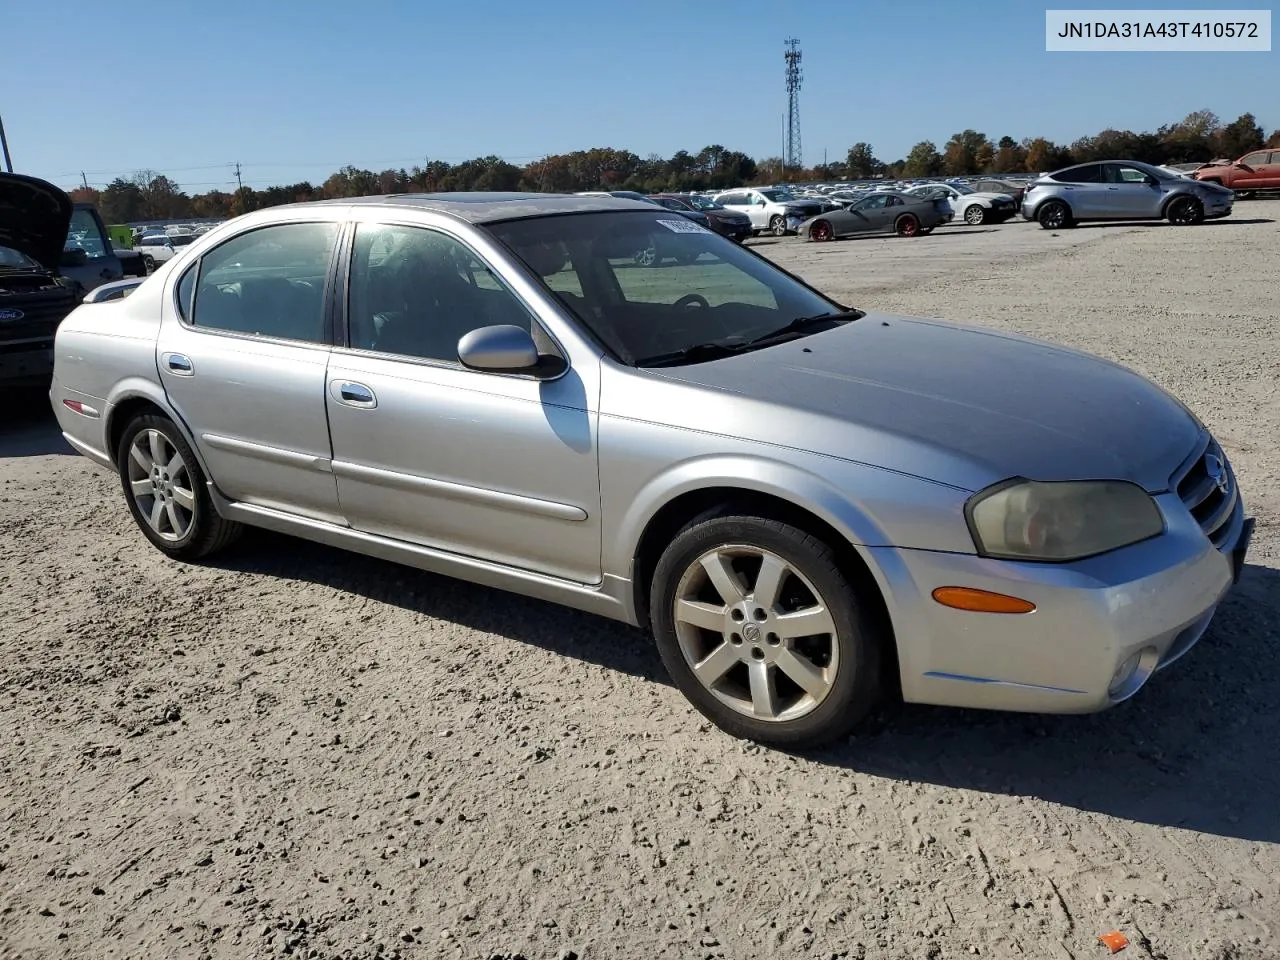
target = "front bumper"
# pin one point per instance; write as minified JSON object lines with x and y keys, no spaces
{"x":22,"y":364}
{"x":1139,"y":609}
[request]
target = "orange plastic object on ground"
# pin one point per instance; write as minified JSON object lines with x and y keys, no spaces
{"x":1115,"y":941}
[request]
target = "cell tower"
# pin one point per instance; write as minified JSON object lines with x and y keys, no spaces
{"x":793,"y":158}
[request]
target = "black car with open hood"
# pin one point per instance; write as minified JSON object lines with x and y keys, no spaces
{"x":34,"y":219}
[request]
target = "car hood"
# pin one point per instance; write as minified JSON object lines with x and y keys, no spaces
{"x":34,"y":218}
{"x":959,"y":405}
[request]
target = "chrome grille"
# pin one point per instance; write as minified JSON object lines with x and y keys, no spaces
{"x":1208,"y":488}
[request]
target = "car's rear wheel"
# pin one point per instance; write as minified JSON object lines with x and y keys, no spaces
{"x":821,"y":231}
{"x":907,"y":225}
{"x":778,"y":225}
{"x":1054,"y":215}
{"x":166,"y":491}
{"x":975,"y":214}
{"x":1185,"y":211}
{"x":760,"y":628}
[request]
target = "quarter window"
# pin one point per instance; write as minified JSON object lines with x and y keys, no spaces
{"x":416,"y":292}
{"x":268,"y":282}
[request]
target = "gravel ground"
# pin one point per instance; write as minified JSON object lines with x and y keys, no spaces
{"x":293,"y":751}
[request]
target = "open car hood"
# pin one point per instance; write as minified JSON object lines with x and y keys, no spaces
{"x":34,"y":218}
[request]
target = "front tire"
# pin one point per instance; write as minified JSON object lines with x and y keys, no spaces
{"x":821,"y":232}
{"x":761,"y":630}
{"x":1185,"y":211}
{"x":975,"y":214}
{"x":778,"y":225}
{"x":166,"y":490}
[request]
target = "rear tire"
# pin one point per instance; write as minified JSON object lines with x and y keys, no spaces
{"x":1054,"y":215}
{"x":742,"y":663}
{"x":907,"y":225}
{"x":166,"y":491}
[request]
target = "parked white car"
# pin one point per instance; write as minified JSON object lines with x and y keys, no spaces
{"x":968,"y":204}
{"x":770,"y":208}
{"x":155,"y":248}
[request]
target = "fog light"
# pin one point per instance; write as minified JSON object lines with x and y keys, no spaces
{"x":1133,"y":673}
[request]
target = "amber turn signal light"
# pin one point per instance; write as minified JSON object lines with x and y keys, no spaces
{"x":981,"y":601}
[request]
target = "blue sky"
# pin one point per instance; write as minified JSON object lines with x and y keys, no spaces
{"x":188,"y":88}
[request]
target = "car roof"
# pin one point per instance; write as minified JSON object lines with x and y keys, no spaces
{"x":485,"y":207}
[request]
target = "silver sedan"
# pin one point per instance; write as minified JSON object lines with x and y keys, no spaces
{"x":809,"y":505}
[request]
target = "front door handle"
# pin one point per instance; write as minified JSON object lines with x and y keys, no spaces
{"x":353,"y":394}
{"x":178,"y":364}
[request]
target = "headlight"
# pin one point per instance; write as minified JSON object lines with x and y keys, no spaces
{"x":1032,"y":520}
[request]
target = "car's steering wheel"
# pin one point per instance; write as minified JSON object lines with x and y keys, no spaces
{"x":693,"y":300}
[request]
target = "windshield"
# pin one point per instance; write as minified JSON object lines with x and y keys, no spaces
{"x":181,"y":239}
{"x":778,"y":195}
{"x":649,"y":285}
{"x":962,"y":188}
{"x":703,"y":203}
{"x":11,"y":259}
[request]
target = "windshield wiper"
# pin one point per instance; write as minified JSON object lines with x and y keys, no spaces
{"x":801,"y":324}
{"x":697,"y":353}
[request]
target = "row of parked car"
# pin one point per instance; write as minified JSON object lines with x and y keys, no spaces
{"x":1111,"y":190}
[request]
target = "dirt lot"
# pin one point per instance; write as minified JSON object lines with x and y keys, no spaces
{"x":296,"y":751}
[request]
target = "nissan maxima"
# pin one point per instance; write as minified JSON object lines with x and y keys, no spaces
{"x":809,"y":505}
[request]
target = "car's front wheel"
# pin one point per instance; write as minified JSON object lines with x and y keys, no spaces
{"x":1185,"y":211}
{"x":975,"y":214}
{"x":762,"y":631}
{"x":166,"y":490}
{"x":778,"y":225}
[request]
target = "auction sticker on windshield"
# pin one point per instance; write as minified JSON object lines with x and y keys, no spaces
{"x":684,"y":226}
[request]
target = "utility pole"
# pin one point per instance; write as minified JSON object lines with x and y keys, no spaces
{"x":4,"y":145}
{"x":239,"y":182}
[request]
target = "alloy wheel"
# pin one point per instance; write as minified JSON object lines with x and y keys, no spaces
{"x":160,"y":484}
{"x":756,"y":633}
{"x":820,"y":231}
{"x":1185,"y":211}
{"x":1053,"y":216}
{"x":974,"y":214}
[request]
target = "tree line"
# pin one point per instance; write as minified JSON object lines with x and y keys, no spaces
{"x":1198,"y":137}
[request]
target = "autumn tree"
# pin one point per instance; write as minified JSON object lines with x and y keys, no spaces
{"x":1239,"y":137}
{"x":1009,"y":157}
{"x":861,"y":164}
{"x":121,"y":201}
{"x":967,"y":152}
{"x":923,"y":160}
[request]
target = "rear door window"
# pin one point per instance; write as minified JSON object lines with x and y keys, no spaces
{"x":268,"y":282}
{"x":1089,"y":173}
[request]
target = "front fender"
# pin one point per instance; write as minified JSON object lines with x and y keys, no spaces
{"x":866,"y":505}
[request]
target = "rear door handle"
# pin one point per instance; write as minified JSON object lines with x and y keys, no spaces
{"x":178,"y":364}
{"x":353,"y":394}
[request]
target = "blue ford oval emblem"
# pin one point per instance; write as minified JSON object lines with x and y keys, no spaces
{"x":10,"y":314}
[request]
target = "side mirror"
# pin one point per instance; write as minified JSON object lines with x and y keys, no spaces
{"x":499,"y":348}
{"x":74,"y":257}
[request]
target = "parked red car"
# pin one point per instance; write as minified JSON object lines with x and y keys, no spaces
{"x":1259,"y":170}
